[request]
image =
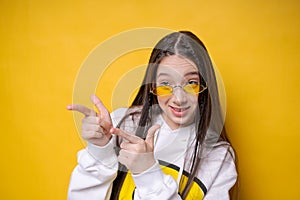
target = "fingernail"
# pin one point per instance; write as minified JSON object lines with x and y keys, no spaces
{"x":111,"y":130}
{"x":69,"y":107}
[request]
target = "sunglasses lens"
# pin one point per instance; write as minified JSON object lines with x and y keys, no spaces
{"x":165,"y":90}
{"x":162,"y":90}
{"x":192,"y":88}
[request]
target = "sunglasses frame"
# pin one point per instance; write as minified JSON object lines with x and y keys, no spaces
{"x":182,"y":87}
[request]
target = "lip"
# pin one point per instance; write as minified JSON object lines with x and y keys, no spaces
{"x":179,"y":112}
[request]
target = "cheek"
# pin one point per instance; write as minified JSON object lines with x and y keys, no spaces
{"x":193,"y":101}
{"x":162,"y":101}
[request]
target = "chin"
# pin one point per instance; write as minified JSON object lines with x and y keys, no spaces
{"x":183,"y":122}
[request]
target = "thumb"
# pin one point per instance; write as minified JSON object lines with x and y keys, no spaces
{"x":150,"y":136}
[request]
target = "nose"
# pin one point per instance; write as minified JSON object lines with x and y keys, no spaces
{"x":179,"y":95}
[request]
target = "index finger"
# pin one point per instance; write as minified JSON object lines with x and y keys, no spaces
{"x":102,"y":109}
{"x":82,"y":109}
{"x":129,"y":137}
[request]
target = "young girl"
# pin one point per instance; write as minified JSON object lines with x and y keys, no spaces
{"x":169,"y":144}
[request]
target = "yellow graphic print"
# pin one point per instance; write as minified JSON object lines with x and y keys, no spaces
{"x":128,"y":187}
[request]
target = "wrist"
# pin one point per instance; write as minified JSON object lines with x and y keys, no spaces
{"x":101,"y":142}
{"x":103,"y":154}
{"x":152,"y":176}
{"x":148,"y":165}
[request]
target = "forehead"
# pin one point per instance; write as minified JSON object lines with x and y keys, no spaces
{"x":174,"y":64}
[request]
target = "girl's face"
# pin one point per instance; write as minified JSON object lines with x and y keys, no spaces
{"x":178,"y":108}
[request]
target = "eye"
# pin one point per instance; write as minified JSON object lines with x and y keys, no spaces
{"x":164,"y":83}
{"x":193,"y":82}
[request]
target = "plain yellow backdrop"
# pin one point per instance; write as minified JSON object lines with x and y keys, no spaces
{"x":255,"y":45}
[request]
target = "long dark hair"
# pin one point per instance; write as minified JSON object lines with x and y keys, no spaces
{"x":186,"y":45}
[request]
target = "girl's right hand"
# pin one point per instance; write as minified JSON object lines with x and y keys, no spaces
{"x":95,"y":126}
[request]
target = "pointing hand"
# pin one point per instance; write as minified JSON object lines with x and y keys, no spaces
{"x":136,"y":153}
{"x":95,"y":126}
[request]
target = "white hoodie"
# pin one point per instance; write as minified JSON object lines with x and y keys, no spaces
{"x":98,"y":166}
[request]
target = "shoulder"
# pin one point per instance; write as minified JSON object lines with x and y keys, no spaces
{"x":123,"y":113}
{"x":118,"y":112}
{"x":117,"y":115}
{"x":220,"y":151}
{"x":214,"y":149}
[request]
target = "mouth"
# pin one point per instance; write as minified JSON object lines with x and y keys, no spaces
{"x":179,"y":112}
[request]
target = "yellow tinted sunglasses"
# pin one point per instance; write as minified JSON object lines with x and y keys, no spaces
{"x":190,"y":88}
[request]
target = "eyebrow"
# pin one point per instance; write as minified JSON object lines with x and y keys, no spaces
{"x":192,"y":73}
{"x":187,"y":74}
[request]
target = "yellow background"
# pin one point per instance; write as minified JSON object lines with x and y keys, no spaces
{"x":255,"y":45}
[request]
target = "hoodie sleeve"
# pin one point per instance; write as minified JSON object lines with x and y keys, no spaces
{"x":97,"y":168}
{"x":154,"y":184}
{"x":94,"y":174}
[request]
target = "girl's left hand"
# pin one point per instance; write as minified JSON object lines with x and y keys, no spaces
{"x":136,"y":153}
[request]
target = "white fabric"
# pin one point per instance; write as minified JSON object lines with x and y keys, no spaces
{"x":97,"y":167}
